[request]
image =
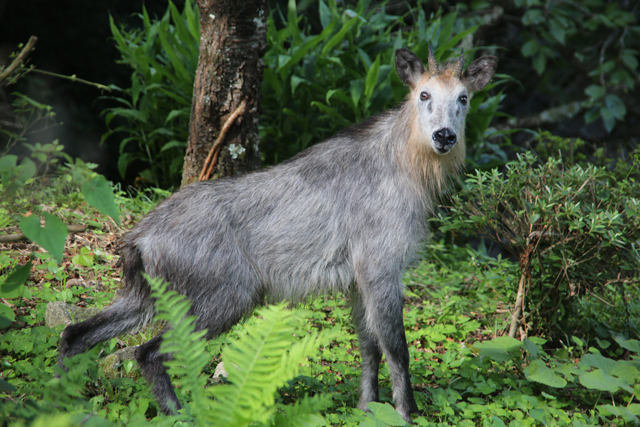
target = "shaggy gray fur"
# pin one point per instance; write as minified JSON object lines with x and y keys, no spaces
{"x":344,"y":216}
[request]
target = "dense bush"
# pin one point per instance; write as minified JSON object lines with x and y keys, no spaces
{"x":574,"y":230}
{"x":590,"y":47}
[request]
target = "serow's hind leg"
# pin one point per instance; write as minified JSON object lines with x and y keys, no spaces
{"x":122,"y":316}
{"x":151,"y":364}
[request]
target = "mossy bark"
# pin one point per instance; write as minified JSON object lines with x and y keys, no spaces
{"x":232,"y":43}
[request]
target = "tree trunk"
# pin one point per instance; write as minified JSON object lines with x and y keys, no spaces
{"x":232,"y":43}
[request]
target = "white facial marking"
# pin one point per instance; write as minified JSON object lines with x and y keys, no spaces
{"x":442,"y":104}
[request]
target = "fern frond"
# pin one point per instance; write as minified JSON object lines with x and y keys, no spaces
{"x":263,"y":361}
{"x":186,"y":346}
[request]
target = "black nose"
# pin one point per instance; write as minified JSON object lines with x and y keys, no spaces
{"x":444,"y":139}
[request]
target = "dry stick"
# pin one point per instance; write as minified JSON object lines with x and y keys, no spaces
{"x":72,"y":228}
{"x":19,"y":59}
{"x":212,"y":158}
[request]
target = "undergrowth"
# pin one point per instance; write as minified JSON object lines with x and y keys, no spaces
{"x":464,"y":371}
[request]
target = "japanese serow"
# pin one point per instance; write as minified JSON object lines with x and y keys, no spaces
{"x":347,"y":215}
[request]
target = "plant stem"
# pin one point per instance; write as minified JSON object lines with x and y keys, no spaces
{"x":73,"y":78}
{"x":515,"y":316}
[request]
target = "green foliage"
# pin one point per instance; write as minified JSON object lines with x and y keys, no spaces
{"x":570,"y":368}
{"x":154,"y":111}
{"x":317,"y":84}
{"x":596,"y":36}
{"x":455,"y":297}
{"x":51,"y":237}
{"x":574,"y":229}
{"x":14,"y":176}
{"x":98,"y":193}
{"x":313,"y":84}
{"x":36,"y":172}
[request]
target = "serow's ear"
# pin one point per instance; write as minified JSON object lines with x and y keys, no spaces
{"x":479,"y":72}
{"x":409,"y":67}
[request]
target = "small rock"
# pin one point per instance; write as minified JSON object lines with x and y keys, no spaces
{"x":111,"y":365}
{"x":220,"y":372}
{"x":61,"y":313}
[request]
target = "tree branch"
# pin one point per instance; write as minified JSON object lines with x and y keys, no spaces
{"x":19,"y":59}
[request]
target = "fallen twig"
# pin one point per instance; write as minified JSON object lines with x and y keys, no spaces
{"x":9,"y":238}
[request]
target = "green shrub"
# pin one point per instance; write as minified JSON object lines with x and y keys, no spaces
{"x":154,"y":116}
{"x":574,"y":230}
{"x":592,"y":43}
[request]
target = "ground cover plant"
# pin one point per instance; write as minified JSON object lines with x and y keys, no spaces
{"x":464,"y":371}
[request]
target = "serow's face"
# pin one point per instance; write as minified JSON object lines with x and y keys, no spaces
{"x":442,"y":105}
{"x":441,"y":96}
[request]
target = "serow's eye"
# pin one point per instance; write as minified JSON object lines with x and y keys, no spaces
{"x":424,"y":96}
{"x":463,"y":99}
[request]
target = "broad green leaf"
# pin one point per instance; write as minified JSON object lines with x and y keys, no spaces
{"x":173,"y":144}
{"x":6,"y":316}
{"x":627,"y":413}
{"x":595,"y":91}
{"x":501,"y":349}
{"x":97,"y":192}
{"x":5,"y":386}
{"x":12,"y":287}
{"x":386,"y":413}
{"x":529,"y":48}
{"x":539,"y":63}
{"x":557,"y":30}
{"x":598,"y":361}
{"x":615,"y":106}
{"x":325,"y":14}
{"x":497,"y":422}
{"x":85,"y":260}
{"x":608,"y":119}
{"x":292,"y":21}
{"x":631,"y":345}
{"x":625,"y":371}
{"x":600,"y":380}
{"x":14,"y":176}
{"x":51,"y":237}
{"x":539,"y":372}
{"x":356,"y":87}
{"x":295,"y":82}
{"x":175,"y":113}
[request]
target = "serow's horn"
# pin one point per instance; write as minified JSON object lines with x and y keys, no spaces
{"x":460,"y":66}
{"x":433,"y":65}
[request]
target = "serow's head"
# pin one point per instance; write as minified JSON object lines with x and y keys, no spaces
{"x":441,"y":95}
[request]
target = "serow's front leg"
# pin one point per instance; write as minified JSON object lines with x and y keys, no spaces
{"x":371,"y":355}
{"x":384,"y":330}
